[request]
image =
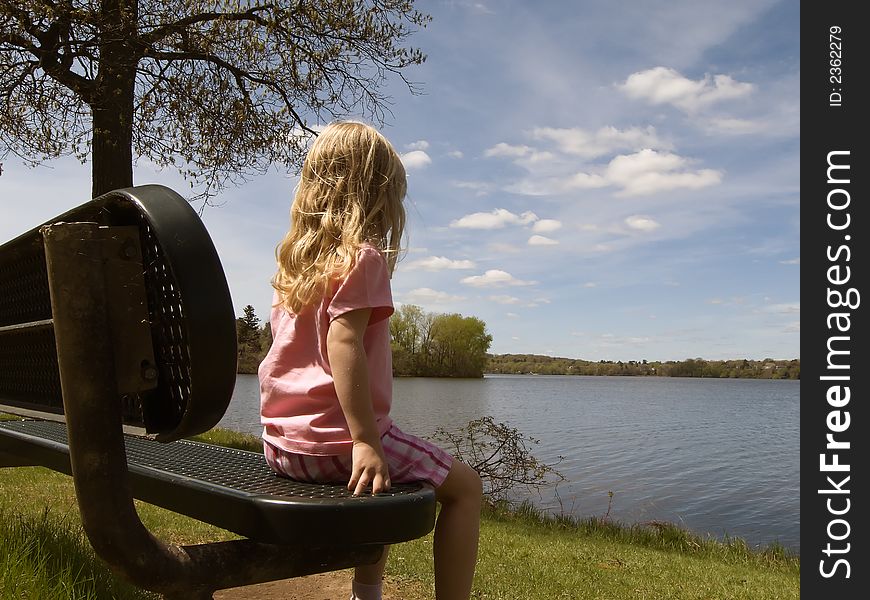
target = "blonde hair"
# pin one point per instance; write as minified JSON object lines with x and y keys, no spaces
{"x":350,"y":193}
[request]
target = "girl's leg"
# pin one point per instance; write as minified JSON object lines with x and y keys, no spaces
{"x":456,"y":532}
{"x":368,"y":579}
{"x":372,"y":574}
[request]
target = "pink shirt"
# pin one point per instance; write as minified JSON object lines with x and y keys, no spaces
{"x":299,"y":408}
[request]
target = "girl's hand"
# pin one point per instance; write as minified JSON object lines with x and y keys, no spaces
{"x":369,"y":466}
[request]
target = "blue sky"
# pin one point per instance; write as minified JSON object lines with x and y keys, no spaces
{"x":593,"y":179}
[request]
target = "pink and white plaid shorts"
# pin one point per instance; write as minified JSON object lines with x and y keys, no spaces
{"x":408,"y":457}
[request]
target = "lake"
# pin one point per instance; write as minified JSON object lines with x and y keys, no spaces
{"x":717,"y":456}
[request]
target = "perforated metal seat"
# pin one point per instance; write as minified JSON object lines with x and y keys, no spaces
{"x":236,"y":490}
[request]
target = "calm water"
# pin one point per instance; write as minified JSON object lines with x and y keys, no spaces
{"x":719,"y":456}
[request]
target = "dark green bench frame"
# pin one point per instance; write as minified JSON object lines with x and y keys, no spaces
{"x":117,"y":332}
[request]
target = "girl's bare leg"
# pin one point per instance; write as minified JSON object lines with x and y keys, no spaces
{"x":456,"y":532}
{"x":372,"y":574}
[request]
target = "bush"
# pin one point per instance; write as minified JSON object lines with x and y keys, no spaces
{"x":501,"y":456}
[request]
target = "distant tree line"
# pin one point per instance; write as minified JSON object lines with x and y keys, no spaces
{"x":767,"y":368}
{"x":449,"y":345}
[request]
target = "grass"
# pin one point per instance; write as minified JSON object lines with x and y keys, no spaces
{"x":231,"y":439}
{"x":45,"y":556}
{"x":523,"y":553}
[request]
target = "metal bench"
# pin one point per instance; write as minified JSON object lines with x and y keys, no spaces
{"x":117,"y":340}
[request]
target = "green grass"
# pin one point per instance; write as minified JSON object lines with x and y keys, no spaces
{"x":656,"y":535}
{"x":231,"y":439}
{"x":46,"y":556}
{"x":523,"y":553}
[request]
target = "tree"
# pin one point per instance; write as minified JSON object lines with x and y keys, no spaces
{"x":410,"y":332}
{"x":406,"y":328}
{"x":219,"y":89}
{"x":248,"y":332}
{"x":439,"y":345}
{"x":266,"y":337}
{"x":254,"y":342}
{"x":459,"y":345}
{"x":248,"y":327}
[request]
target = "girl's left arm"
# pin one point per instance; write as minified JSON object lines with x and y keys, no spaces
{"x":347,"y":358}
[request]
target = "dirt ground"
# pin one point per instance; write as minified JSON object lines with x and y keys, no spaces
{"x":326,"y":586}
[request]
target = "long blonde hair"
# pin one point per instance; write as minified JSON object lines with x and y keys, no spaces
{"x":350,"y":193}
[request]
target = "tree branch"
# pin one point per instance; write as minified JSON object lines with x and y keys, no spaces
{"x":181,"y":25}
{"x":240,"y":76}
{"x":56,"y":37}
{"x":7,"y":37}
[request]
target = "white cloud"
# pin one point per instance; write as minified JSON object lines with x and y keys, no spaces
{"x":585,"y":181}
{"x":661,"y":85}
{"x":649,"y":167}
{"x":642,"y":223}
{"x":649,"y":172}
{"x":509,"y":150}
{"x":791,"y":261}
{"x":525,"y":156}
{"x":639,"y":174}
{"x":535,"y":187}
{"x":440,"y":263}
{"x":429,"y":296}
{"x":496,"y":219}
{"x":418,"y":145}
{"x":606,"y":140}
{"x":627,"y":166}
{"x":535,"y":159}
{"x":546,"y":226}
{"x":495,"y":278}
{"x":416,"y":159}
{"x":540,"y":240}
{"x":514,"y":301}
{"x":455,"y":154}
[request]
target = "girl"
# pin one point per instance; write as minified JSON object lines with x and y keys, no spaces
{"x":326,"y":383}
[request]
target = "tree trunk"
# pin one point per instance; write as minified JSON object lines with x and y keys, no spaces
{"x":112,"y":111}
{"x":113,"y":139}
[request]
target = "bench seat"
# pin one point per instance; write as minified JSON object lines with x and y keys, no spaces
{"x":236,"y":490}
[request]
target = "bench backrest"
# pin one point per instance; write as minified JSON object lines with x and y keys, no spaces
{"x":180,"y":359}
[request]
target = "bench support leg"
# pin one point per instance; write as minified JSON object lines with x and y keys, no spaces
{"x":76,"y":254}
